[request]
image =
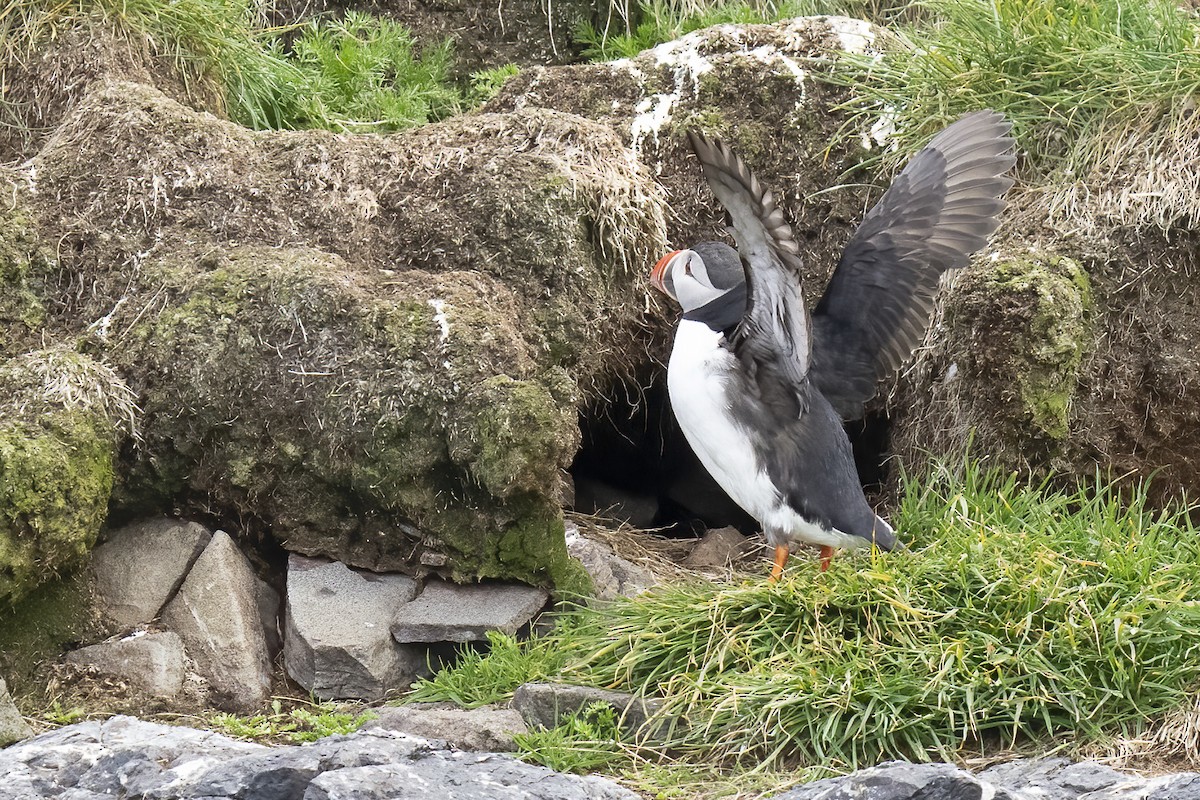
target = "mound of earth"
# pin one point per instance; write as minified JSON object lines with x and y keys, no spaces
{"x":372,"y":348}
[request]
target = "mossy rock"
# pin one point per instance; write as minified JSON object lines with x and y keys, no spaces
{"x":36,"y":630}
{"x":399,"y":384}
{"x":59,"y":424}
{"x":1003,"y":374}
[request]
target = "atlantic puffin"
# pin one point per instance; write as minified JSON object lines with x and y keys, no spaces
{"x":759,"y":387}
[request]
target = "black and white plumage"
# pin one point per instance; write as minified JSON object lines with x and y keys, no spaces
{"x":759,"y":387}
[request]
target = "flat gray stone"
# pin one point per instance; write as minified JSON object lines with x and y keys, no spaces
{"x":1058,"y":776}
{"x":125,"y":757}
{"x":545,"y":705}
{"x":139,"y":567}
{"x":719,"y":547}
{"x":216,"y":615}
{"x":612,"y":576}
{"x":337,"y":641}
{"x":13,"y":727}
{"x":487,"y":729}
{"x":451,"y":612}
{"x":152,"y":662}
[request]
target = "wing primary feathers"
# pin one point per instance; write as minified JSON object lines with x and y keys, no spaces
{"x":938,"y":211}
{"x":774,"y":334}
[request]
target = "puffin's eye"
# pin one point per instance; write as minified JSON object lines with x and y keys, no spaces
{"x":687,"y":267}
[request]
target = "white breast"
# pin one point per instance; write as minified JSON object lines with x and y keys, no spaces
{"x":699,"y":379}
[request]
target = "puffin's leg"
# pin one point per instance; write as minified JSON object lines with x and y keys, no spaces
{"x":826,"y":556}
{"x":781,"y":557}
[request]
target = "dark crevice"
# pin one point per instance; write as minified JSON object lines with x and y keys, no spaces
{"x":635,"y":466}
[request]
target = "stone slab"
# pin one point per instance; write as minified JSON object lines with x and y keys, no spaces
{"x":486,"y":729}
{"x":152,"y":662}
{"x":450,"y":612}
{"x":216,"y":615}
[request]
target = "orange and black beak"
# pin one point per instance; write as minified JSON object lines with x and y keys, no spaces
{"x":659,"y":272}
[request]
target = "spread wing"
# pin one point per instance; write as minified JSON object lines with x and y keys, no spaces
{"x":774,"y":332}
{"x":938,"y":211}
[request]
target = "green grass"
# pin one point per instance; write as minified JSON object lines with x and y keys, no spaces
{"x":357,"y":74}
{"x":479,"y":678}
{"x":292,"y":725}
{"x":1019,"y":614}
{"x":1069,"y":73}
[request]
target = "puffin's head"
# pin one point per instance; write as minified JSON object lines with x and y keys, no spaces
{"x":698,"y":276}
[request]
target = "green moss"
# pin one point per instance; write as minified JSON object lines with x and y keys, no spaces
{"x":517,"y":436}
{"x":1057,"y":297}
{"x":57,"y":446}
{"x":36,"y":630}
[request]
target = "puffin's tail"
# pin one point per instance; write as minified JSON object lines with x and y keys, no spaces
{"x":884,"y":536}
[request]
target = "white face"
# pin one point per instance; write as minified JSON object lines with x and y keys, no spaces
{"x":684,"y":276}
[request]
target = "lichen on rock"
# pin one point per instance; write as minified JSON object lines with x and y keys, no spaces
{"x":61,"y":418}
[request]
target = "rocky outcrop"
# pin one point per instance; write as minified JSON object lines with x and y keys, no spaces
{"x":129,"y":758}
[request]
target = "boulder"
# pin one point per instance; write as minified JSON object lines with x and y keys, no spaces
{"x":401,"y":313}
{"x":139,"y":567}
{"x":126,"y":757}
{"x":447,"y":612}
{"x":13,"y":727}
{"x":216,"y":616}
{"x":62,"y":418}
{"x":545,"y":705}
{"x":338,"y":643}
{"x":485,"y":729}
{"x":151,"y":662}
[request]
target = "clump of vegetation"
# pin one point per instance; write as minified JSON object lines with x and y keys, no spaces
{"x":358,"y":73}
{"x":294,"y":725}
{"x":1020,"y":612}
{"x":1063,"y":70}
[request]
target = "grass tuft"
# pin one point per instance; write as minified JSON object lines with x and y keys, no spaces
{"x":1020,"y":612}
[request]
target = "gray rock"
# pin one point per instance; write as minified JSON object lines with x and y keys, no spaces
{"x":612,"y":576}
{"x":487,"y":729}
{"x":1058,"y":777}
{"x":153,"y":662}
{"x":544,"y":705}
{"x":139,"y":567}
{"x":338,"y":643}
{"x":124,"y":757}
{"x":898,"y":780}
{"x":216,"y":615}
{"x":12,"y":725}
{"x":449,"y":612}
{"x":719,"y":547}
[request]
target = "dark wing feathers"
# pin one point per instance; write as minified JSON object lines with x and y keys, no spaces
{"x":939,"y":210}
{"x":774,"y":332}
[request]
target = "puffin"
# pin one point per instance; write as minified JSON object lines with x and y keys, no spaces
{"x":760,"y":387}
